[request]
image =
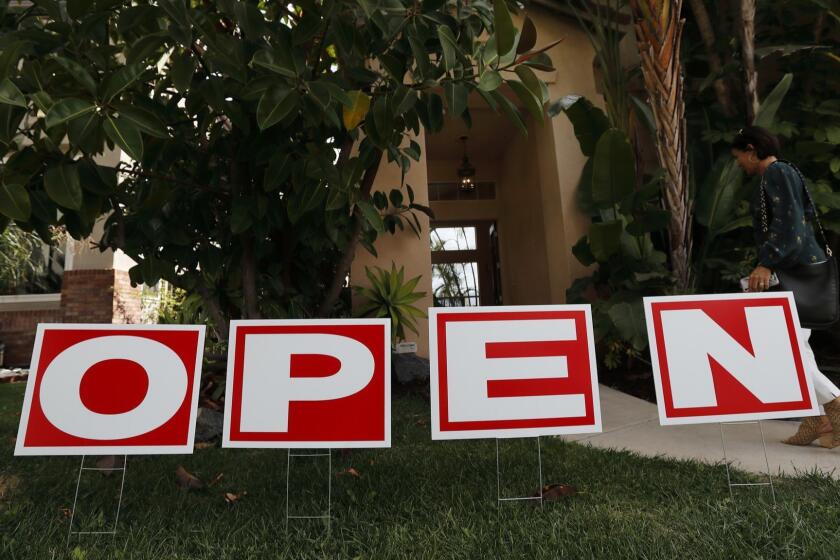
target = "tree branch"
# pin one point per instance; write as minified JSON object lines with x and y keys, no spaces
{"x":343,"y":267}
{"x":704,"y":25}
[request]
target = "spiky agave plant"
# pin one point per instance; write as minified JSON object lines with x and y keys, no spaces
{"x":390,"y":296}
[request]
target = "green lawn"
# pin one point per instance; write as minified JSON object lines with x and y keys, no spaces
{"x":420,"y":499}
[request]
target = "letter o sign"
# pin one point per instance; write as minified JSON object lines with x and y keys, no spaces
{"x":121,"y":389}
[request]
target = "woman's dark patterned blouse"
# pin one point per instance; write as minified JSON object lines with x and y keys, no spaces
{"x":790,"y":239}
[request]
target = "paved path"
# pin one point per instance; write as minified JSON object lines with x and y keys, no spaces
{"x":633,"y":424}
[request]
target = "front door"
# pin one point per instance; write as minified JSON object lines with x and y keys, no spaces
{"x":465,"y":267}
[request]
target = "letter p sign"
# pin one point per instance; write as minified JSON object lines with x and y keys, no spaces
{"x":312,"y":384}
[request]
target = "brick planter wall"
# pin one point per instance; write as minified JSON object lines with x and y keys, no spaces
{"x":87,"y":296}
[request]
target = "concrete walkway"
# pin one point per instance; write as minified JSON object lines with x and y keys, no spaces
{"x":633,"y":424}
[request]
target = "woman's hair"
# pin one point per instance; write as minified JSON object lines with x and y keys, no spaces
{"x":762,"y":140}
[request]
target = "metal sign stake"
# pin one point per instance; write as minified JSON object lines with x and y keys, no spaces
{"x":499,"y":498}
{"x":82,"y":468}
{"x":328,"y":515}
{"x":766,"y":461}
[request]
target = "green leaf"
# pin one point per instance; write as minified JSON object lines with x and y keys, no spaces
{"x":766,"y":114}
{"x":275,"y":61}
{"x":66,"y":110}
{"x":85,"y":133}
{"x":532,"y":83}
{"x":275,"y":104}
{"x":420,"y":56}
{"x":240,"y":217}
{"x":122,"y":79}
{"x":126,"y":135}
{"x":14,"y":202}
{"x":490,"y":80}
{"x":716,"y":200}
{"x":78,"y":73}
{"x":613,"y":169}
{"x":10,"y":94}
{"x":181,"y":70}
{"x":449,"y":46}
{"x":510,"y":110}
{"x":583,"y":253}
{"x":372,"y":215}
{"x":504,"y":31}
{"x":588,"y":121}
{"x":649,"y":221}
{"x":62,"y":185}
{"x":43,"y":101}
{"x":145,"y":120}
{"x":629,"y":319}
{"x":528,"y":36}
{"x":276,"y":172}
{"x":456,"y":98}
{"x":605,"y":239}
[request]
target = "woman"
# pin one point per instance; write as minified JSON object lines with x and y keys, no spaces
{"x":789,"y":241}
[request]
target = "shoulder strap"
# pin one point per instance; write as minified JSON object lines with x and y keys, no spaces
{"x":809,"y":200}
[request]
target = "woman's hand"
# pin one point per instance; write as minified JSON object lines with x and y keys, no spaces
{"x":760,"y":279}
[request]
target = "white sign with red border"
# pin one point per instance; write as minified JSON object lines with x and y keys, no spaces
{"x":318,"y":383}
{"x":727,"y":358}
{"x":111,"y":389}
{"x":513,"y":371}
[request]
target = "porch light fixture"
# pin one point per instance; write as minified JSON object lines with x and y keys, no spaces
{"x":466,"y":171}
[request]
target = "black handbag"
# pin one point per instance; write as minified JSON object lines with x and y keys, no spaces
{"x":814,"y":285}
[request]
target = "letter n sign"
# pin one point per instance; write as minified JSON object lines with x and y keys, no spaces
{"x":309,"y":384}
{"x":103,"y":389}
{"x":512,"y":371}
{"x":721,"y":358}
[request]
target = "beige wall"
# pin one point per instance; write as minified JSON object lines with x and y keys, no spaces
{"x":572,"y":60}
{"x":403,"y":248}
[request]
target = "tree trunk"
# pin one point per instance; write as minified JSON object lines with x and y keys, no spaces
{"x":707,"y":32}
{"x":249,"y":279}
{"x":211,"y":306}
{"x":659,"y":33}
{"x":748,"y":58}
{"x":343,"y":267}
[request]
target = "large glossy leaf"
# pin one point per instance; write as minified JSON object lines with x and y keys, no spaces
{"x":528,"y":36}
{"x":275,"y":61}
{"x":126,"y":135}
{"x":613,"y":169}
{"x":181,"y":70}
{"x":449,"y":46}
{"x":629,"y":319}
{"x":78,"y":73}
{"x":14,"y":202}
{"x":589,"y":121}
{"x":274,"y":105}
{"x":10,"y":94}
{"x":770,"y":106}
{"x":62,"y":185}
{"x":504,"y":31}
{"x":371,"y":215}
{"x":716,"y":200}
{"x":605,"y":239}
{"x":68,"y":109}
{"x":144,"y":119}
{"x":649,"y":221}
{"x":122,"y":79}
{"x":490,"y":80}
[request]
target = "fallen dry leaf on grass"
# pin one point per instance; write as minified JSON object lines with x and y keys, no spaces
{"x":65,"y":512}
{"x":351,"y":471}
{"x":556,"y":492}
{"x":215,"y":480}
{"x":8,"y":484}
{"x":187,"y":480}
{"x":422,"y":422}
{"x":232,"y":498}
{"x":204,"y":445}
{"x":107,"y":462}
